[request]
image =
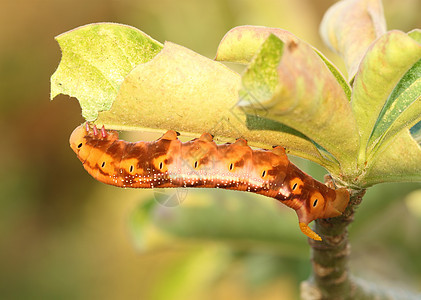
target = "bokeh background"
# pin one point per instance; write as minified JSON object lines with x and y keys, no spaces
{"x":65,"y":236}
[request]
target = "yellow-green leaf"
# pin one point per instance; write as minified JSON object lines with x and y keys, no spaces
{"x":350,"y":26}
{"x":402,"y":109}
{"x":184,"y":91}
{"x":242,"y":43}
{"x":400,"y":162}
{"x":383,"y":67}
{"x":415,"y":34}
{"x":301,"y":92}
{"x":95,"y":60}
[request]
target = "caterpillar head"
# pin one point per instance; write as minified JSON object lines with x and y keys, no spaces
{"x":311,"y":199}
{"x":319,"y":207}
{"x":83,"y":138}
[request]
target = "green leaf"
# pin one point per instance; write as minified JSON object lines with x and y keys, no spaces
{"x":337,"y":74}
{"x":381,"y":71}
{"x":401,"y":110}
{"x":255,"y":122}
{"x":95,"y":60}
{"x":400,"y":162}
{"x":260,"y":81}
{"x":415,"y":34}
{"x":350,"y":26}
{"x":416,"y":132}
{"x":301,"y":92}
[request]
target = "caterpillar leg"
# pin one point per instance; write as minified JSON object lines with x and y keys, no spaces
{"x":308,"y":232}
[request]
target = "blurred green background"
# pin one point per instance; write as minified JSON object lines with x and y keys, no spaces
{"x":65,"y":236}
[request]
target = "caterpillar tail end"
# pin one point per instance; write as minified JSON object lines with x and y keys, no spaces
{"x":308,"y":232}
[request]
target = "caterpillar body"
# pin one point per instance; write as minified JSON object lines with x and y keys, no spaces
{"x":167,"y":162}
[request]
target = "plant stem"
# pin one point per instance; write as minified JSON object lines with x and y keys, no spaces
{"x":331,"y":279}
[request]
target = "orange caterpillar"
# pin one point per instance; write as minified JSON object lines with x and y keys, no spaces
{"x":167,"y":162}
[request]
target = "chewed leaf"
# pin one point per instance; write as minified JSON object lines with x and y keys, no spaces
{"x":350,"y":26}
{"x":95,"y":60}
{"x":168,"y":93}
{"x":381,"y":90}
{"x":178,"y":89}
{"x":301,"y":92}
